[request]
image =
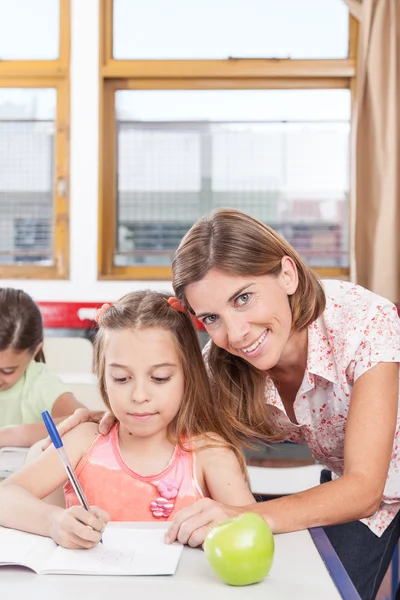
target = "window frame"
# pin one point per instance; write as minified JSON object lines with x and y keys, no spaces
{"x":49,"y":74}
{"x":196,"y":74}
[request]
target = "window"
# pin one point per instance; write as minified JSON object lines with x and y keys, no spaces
{"x":254,"y":116}
{"x":34,"y":117}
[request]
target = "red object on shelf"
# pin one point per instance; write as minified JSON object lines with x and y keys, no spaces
{"x":75,"y":315}
{"x":69,"y":315}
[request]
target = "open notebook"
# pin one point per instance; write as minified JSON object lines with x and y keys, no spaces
{"x":11,"y":459}
{"x":124,"y":552}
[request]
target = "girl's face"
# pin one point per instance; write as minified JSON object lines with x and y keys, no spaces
{"x":249,"y":316}
{"x":12,"y":366}
{"x":144,"y":379}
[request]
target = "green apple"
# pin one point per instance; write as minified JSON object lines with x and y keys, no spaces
{"x":240,"y":550}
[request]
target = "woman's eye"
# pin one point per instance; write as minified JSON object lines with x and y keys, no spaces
{"x":120,"y":379}
{"x":210,"y":320}
{"x":243,"y":299}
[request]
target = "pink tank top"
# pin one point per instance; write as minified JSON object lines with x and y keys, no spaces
{"x":127,"y":496}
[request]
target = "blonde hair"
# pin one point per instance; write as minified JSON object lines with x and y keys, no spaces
{"x":231,"y":241}
{"x":196,"y":416}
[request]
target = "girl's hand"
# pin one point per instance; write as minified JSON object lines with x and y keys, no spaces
{"x":105,"y":419}
{"x":77,"y":528}
{"x":191,"y":524}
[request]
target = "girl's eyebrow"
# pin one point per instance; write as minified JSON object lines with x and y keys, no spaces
{"x":237,"y":293}
{"x":165,"y":364}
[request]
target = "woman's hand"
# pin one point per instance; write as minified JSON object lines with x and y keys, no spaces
{"x":105,"y":419}
{"x":77,"y":528}
{"x":191,"y":524}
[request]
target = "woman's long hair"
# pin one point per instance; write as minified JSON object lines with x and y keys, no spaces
{"x":232,"y":242}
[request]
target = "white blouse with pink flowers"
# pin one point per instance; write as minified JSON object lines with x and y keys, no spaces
{"x":357,"y":330}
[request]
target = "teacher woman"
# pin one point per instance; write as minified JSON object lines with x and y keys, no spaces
{"x":293,"y":358}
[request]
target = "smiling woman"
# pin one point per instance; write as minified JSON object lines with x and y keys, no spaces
{"x":256,"y":298}
{"x":293,"y":358}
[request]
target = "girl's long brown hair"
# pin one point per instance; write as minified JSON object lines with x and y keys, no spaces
{"x":197,"y":415}
{"x":231,"y":241}
{"x":21,"y":324}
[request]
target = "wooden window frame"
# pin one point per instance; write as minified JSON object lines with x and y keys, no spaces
{"x":53,"y":74}
{"x":234,"y":74}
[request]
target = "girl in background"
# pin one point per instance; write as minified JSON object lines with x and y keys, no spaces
{"x":166,"y":450}
{"x":27,"y":388}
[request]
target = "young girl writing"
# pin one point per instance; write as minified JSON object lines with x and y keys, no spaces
{"x":166,"y":450}
{"x":27,"y":388}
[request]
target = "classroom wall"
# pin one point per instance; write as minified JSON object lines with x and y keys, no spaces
{"x":83,"y":284}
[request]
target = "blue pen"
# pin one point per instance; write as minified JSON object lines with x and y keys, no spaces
{"x":56,"y":439}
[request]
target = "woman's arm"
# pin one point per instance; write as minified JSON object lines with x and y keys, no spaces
{"x":27,"y":435}
{"x":369,"y":438}
{"x":370,"y":429}
{"x":21,"y":505}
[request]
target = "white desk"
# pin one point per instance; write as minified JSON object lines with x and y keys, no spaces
{"x":298,"y":572}
{"x":279,"y":481}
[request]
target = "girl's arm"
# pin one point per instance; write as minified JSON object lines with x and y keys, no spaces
{"x":27,"y":435}
{"x":222,"y":479}
{"x":22,"y":507}
{"x":370,"y":429}
{"x":219,"y":471}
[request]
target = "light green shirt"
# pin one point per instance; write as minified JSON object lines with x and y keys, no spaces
{"x":36,"y":391}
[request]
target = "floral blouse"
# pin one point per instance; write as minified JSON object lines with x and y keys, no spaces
{"x":357,"y":330}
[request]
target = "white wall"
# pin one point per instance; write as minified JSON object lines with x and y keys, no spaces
{"x":83,"y":284}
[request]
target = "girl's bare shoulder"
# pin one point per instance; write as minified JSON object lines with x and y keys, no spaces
{"x":211,"y":446}
{"x":81,"y":437}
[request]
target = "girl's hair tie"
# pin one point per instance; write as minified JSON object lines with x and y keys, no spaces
{"x":101,"y":311}
{"x":179,"y":307}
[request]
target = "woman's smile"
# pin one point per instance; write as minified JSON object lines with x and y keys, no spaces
{"x":256,"y":347}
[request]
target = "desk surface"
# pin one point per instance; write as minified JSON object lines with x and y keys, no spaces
{"x":298,"y":572}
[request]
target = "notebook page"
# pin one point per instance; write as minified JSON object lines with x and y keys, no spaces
{"x":11,"y":459}
{"x":123,"y":552}
{"x":25,"y":549}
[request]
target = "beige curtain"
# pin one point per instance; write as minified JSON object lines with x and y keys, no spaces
{"x":376,"y":145}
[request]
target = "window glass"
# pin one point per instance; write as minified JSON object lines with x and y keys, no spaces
{"x":27,"y":129}
{"x":29,"y":29}
{"x":280,"y":155}
{"x":220,"y":29}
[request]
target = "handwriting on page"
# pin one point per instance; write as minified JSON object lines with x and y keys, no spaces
{"x":116,"y":558}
